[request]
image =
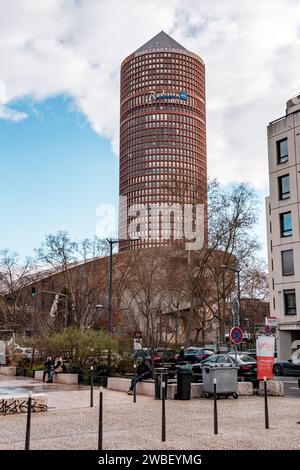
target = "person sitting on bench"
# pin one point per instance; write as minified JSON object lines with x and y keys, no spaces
{"x":49,"y":363}
{"x":57,"y":367}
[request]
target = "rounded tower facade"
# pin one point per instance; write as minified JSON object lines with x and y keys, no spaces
{"x":162,"y":142}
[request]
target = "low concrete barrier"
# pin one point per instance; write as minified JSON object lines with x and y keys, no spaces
{"x":244,"y":388}
{"x":8,"y":370}
{"x":18,"y":404}
{"x":275,"y":388}
{"x":60,"y":378}
{"x":122,"y":385}
{"x":147,"y":387}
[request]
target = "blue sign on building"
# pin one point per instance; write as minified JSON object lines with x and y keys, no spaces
{"x":183,"y":95}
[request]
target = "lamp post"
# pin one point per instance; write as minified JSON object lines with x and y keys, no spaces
{"x":111,"y":243}
{"x":237,"y":271}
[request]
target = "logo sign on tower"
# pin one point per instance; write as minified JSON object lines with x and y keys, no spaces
{"x":169,"y":95}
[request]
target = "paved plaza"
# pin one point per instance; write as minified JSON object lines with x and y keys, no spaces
{"x":70,"y":423}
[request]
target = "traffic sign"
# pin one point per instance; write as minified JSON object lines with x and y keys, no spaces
{"x":236,"y":335}
{"x":267,"y":330}
{"x":271,"y":321}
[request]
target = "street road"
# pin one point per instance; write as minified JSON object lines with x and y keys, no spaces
{"x":290,"y":385}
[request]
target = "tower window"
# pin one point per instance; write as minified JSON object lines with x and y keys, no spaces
{"x":287,"y":261}
{"x":286,"y":228}
{"x":284,"y":187}
{"x":282,"y":151}
{"x":290,"y":302}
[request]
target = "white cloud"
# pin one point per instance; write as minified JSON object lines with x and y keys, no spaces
{"x":10,"y":114}
{"x":251,"y":51}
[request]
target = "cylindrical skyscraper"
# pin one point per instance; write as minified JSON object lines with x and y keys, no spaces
{"x":162,"y":139}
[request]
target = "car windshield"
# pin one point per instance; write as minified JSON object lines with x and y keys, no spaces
{"x":210,"y":359}
{"x":246,"y":358}
{"x":208,"y":351}
{"x":164,"y":354}
{"x":222,"y":359}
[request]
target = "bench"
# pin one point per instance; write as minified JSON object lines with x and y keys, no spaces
{"x":13,"y":404}
{"x":59,"y":377}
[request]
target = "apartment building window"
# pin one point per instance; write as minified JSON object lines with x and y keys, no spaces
{"x":290,"y":302}
{"x":284,"y":187}
{"x":286,"y":228}
{"x":287,"y":261}
{"x":282,"y":151}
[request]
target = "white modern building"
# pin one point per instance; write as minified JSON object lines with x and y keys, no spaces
{"x":283,"y":227}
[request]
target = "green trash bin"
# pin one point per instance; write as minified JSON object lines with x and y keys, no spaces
{"x":184,"y":380}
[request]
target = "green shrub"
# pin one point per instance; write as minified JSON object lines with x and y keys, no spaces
{"x":84,"y":347}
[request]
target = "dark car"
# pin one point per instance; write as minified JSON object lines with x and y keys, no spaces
{"x":194,"y":355}
{"x":247,"y":366}
{"x":158,"y":357}
{"x":164,"y":357}
{"x":286,"y":368}
{"x":142,"y":353}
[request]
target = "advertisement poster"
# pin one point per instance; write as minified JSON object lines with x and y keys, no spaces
{"x":265,"y":356}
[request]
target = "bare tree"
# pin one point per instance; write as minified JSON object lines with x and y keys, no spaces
{"x":79,"y":278}
{"x":15,"y":310}
{"x":231,"y":242}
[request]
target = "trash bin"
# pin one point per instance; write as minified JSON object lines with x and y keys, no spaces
{"x":184,"y":380}
{"x":160,"y":374}
{"x":226,"y":377}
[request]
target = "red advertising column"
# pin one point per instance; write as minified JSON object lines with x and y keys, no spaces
{"x":265,"y":356}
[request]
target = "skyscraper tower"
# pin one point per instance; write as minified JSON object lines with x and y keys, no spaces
{"x":162,"y":138}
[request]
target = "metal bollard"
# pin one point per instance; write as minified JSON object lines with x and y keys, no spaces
{"x":134,"y":387}
{"x":215,"y":408}
{"x":28,"y":423}
{"x":163,"y":411}
{"x":92,"y":386}
{"x":100,"y":425}
{"x":266,"y":404}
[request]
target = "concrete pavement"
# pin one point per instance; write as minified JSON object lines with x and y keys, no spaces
{"x":71,"y":424}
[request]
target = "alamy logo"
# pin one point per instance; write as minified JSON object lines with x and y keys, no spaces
{"x":158,"y":222}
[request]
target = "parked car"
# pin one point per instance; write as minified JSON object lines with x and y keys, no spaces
{"x":252,"y":353}
{"x":143,"y":353}
{"x":247,"y":366}
{"x":194,"y":354}
{"x":165,"y":357}
{"x":159,"y":357}
{"x":25,"y":353}
{"x":286,"y":368}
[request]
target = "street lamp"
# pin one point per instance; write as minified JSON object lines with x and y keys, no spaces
{"x":111,"y":243}
{"x":237,"y":271}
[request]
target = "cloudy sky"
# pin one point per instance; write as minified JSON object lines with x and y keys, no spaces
{"x":59,"y":98}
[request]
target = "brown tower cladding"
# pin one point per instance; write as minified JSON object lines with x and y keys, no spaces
{"x":162,"y":139}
